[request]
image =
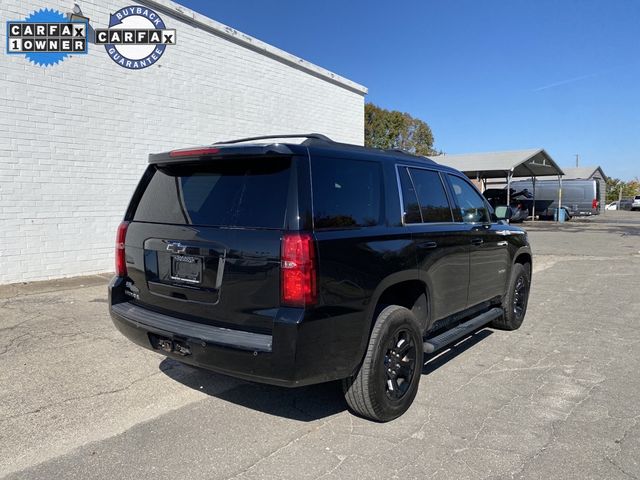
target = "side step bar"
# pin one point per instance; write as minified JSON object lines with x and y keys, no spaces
{"x":437,"y":343}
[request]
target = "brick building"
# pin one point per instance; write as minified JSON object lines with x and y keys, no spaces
{"x":74,"y":137}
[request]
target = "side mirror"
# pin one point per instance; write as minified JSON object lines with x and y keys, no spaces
{"x":504,"y":213}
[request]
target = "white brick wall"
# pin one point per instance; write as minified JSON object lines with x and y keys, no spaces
{"x":74,"y":137}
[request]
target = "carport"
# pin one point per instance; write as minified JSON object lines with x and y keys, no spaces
{"x":507,"y":165}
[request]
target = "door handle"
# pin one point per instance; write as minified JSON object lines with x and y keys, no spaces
{"x":477,"y":241}
{"x":503,"y":244}
{"x":427,"y":245}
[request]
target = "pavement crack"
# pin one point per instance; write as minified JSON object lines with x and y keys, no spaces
{"x":553,"y":437}
{"x":492,"y":415}
{"x":29,"y":318}
{"x":277,"y":451}
{"x":468,"y":382}
{"x":619,"y":442}
{"x":12,"y":343}
{"x":620,"y":469}
{"x":85,"y":397}
{"x":341,"y":459}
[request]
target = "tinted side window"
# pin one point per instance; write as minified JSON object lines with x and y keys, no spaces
{"x":411,"y":206}
{"x":434,"y":204}
{"x":346,"y":193}
{"x":471,"y":205}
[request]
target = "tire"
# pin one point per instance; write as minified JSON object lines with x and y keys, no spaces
{"x":382,"y":390}
{"x":515,"y":302}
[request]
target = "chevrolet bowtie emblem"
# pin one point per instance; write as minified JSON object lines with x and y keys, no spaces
{"x":176,"y":247}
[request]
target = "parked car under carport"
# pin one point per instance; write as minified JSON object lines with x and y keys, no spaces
{"x":498,"y":197}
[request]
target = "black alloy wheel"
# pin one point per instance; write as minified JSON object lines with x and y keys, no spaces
{"x":399,"y":364}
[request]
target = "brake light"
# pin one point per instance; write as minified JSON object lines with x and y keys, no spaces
{"x":298,"y":275}
{"x":121,"y":263}
{"x":594,"y":204}
{"x":197,"y":152}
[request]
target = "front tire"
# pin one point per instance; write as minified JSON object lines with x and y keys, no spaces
{"x":516,"y":300}
{"x":387,"y":382}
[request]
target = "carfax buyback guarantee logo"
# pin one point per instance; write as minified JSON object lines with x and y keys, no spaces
{"x":136,"y":38}
{"x":46,"y":37}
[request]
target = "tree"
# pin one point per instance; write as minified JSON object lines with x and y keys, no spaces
{"x":393,"y":129}
{"x":629,"y":189}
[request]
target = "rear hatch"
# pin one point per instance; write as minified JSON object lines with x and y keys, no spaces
{"x":204,"y":239}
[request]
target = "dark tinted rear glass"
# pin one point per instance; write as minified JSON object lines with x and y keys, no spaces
{"x":234,"y":192}
{"x":434,"y":204}
{"x":410,"y":198}
{"x":346,"y":193}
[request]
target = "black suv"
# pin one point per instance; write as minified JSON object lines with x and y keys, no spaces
{"x":295,"y":264}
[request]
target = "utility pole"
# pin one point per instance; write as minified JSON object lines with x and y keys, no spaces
{"x":620,"y":195}
{"x":577,"y":160}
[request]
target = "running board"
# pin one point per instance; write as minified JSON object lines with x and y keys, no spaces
{"x":437,"y":343}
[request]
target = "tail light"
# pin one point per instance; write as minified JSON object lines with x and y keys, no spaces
{"x":594,"y":204}
{"x":194,"y":152}
{"x":298,"y":275}
{"x":121,"y":263}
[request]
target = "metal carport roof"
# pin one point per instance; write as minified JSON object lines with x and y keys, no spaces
{"x":584,"y":173}
{"x":517,"y":163}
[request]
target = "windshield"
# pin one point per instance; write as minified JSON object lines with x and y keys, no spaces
{"x":234,"y":192}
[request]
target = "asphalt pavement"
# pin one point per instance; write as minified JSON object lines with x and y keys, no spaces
{"x":558,"y":398}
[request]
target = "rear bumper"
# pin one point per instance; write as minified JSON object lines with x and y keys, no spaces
{"x":300,"y":351}
{"x":206,"y":334}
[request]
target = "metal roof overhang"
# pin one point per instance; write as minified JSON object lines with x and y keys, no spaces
{"x":520,"y":163}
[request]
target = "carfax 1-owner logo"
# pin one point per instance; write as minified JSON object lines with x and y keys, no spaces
{"x":136,"y":38}
{"x":47,"y":37}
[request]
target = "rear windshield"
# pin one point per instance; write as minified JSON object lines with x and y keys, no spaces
{"x":227,"y":192}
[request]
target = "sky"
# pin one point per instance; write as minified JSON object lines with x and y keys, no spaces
{"x":563,"y":75}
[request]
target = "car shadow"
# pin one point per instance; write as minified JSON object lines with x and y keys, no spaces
{"x":302,"y":403}
{"x":305,"y":404}
{"x":436,"y":360}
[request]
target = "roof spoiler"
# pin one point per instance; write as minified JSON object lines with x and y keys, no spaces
{"x":211,"y":152}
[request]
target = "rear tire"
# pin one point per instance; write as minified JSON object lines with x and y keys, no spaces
{"x":387,"y":382}
{"x":515,"y":302}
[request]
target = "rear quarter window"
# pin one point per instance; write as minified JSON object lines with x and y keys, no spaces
{"x":346,"y":193}
{"x":434,"y":204}
{"x":238,"y":192}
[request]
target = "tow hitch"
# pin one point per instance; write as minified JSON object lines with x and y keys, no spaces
{"x":170,"y":346}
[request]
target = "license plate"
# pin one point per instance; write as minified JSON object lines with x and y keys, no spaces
{"x":185,"y":268}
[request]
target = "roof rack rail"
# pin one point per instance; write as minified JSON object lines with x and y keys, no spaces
{"x":315,"y":136}
{"x":405,"y":152}
{"x":399,"y":150}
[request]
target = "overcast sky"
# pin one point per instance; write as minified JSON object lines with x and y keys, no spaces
{"x":487,"y":75}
